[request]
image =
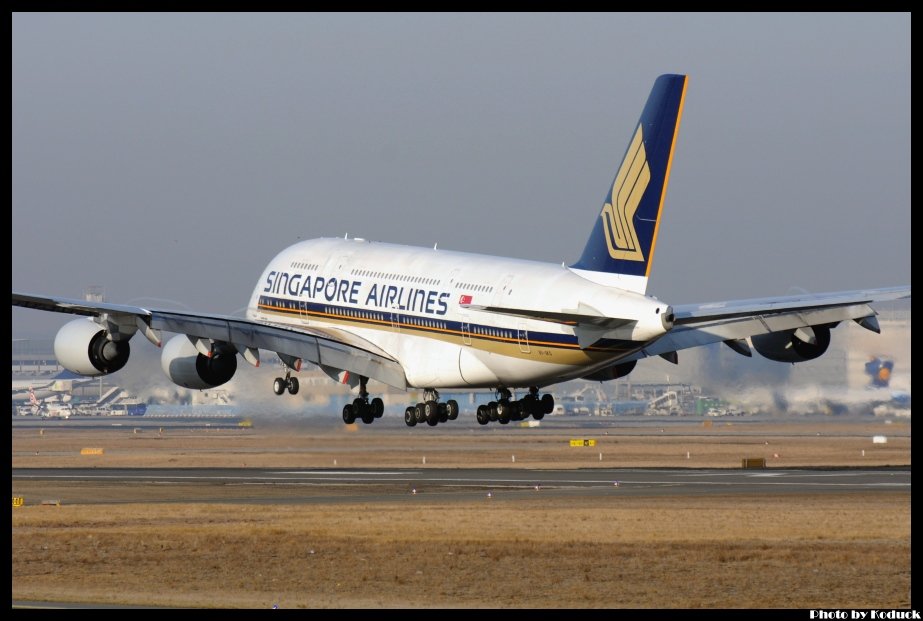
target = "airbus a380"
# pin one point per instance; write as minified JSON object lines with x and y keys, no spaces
{"x":435,"y":319}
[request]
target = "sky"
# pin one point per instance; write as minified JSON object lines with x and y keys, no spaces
{"x":168,"y":157}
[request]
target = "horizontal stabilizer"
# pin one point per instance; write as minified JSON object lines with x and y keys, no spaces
{"x":590,"y":326}
{"x":585,"y":316}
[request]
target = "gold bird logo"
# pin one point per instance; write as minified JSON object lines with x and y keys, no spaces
{"x":618,"y":214}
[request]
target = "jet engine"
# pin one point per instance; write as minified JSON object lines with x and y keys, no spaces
{"x":83,"y":347}
{"x":793,"y":345}
{"x":187,"y":367}
{"x":611,"y":373}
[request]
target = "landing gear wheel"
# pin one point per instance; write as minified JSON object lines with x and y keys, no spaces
{"x":492,"y":411}
{"x":452,"y":408}
{"x":443,"y":412}
{"x":504,"y":411}
{"x":431,"y":411}
{"x":547,"y":404}
{"x":349,"y":415}
{"x":517,"y":411}
{"x":293,"y":386}
{"x":278,"y":385}
{"x":538,"y":415}
{"x":482,"y":415}
{"x":420,"y":414}
{"x":367,"y":416}
{"x":528,"y":404}
{"x":410,"y":417}
{"x":378,"y":407}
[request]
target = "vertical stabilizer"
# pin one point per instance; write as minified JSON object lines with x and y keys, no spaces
{"x":621,"y":245}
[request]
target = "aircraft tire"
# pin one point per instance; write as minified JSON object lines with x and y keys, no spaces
{"x":431,"y":410}
{"x":278,"y":385}
{"x":504,"y":411}
{"x":349,"y":415}
{"x":547,"y":403}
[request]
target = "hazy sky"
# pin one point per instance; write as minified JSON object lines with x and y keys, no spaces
{"x":170,"y":157}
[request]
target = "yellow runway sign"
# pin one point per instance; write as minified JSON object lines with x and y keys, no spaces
{"x":583,"y":442}
{"x":18,"y":501}
{"x":91,"y":451}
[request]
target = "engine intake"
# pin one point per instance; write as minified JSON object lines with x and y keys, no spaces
{"x":83,"y":347}
{"x":186,"y":367}
{"x":784,"y":346}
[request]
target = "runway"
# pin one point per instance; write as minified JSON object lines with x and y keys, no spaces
{"x":277,"y":486}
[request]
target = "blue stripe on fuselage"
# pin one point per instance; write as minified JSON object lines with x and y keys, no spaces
{"x":427,"y":324}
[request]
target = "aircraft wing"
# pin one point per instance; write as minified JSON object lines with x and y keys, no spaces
{"x":321,"y":347}
{"x":701,"y":324}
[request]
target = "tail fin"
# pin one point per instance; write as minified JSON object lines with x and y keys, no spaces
{"x":621,"y":245}
{"x":880,"y":371}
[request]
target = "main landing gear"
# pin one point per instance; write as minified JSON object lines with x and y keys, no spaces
{"x":505,"y":409}
{"x":431,"y":411}
{"x":279,"y":385}
{"x":361,"y":407}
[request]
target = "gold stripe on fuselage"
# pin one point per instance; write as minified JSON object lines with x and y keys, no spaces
{"x":537,"y":350}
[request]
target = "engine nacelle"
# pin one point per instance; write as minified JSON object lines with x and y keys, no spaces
{"x":81,"y":346}
{"x":785,"y":346}
{"x":613,"y":372}
{"x":186,"y":367}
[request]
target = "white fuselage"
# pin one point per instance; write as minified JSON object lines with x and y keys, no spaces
{"x":409,"y":302}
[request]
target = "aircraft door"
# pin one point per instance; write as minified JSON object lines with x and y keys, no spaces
{"x":522,"y":335}
{"x":465,"y":329}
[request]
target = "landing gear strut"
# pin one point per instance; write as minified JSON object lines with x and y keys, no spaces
{"x":431,"y":411}
{"x":291,"y":383}
{"x":362,"y":407}
{"x":505,"y":408}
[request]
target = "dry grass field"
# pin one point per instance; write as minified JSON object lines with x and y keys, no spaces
{"x":522,"y":549}
{"x":729,"y":552}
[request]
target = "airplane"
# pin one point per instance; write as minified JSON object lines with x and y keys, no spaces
{"x":433,"y":319}
{"x":51,"y":407}
{"x":65,"y":381}
{"x":25,"y":390}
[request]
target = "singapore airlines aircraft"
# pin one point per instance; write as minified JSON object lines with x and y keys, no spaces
{"x":435,"y":319}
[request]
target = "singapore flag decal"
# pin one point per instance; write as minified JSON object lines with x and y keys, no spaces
{"x":465,"y":299}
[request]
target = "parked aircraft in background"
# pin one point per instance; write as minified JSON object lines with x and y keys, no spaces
{"x":435,"y":319}
{"x":56,"y":406}
{"x":41,"y":388}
